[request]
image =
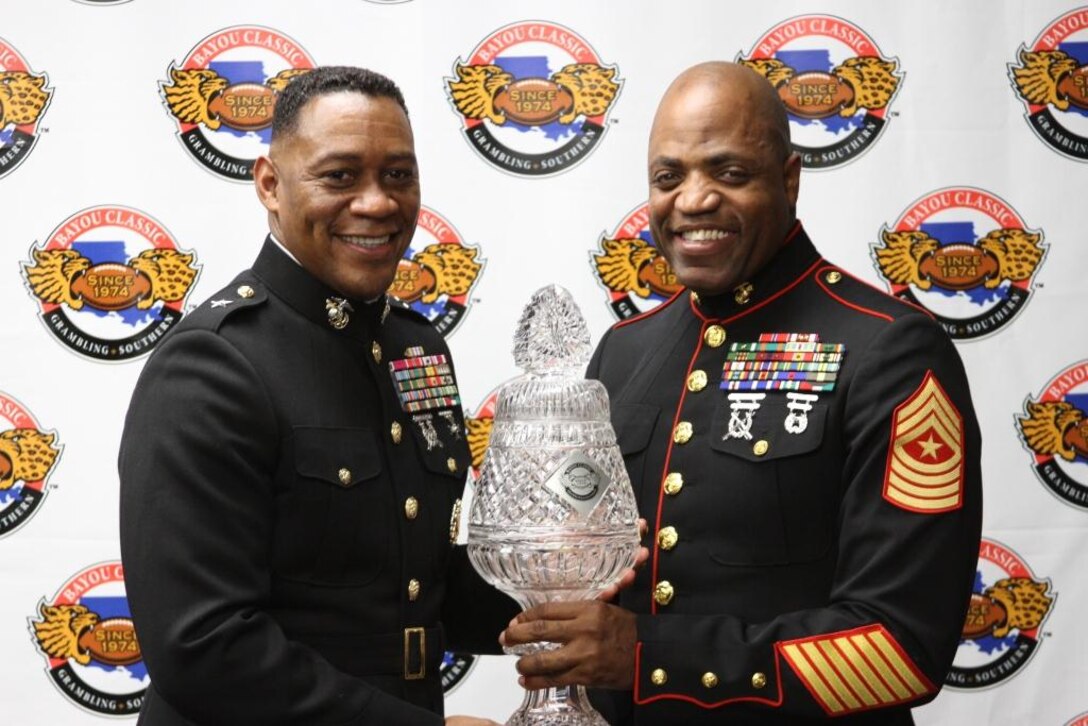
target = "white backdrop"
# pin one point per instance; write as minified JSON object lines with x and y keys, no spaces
{"x":105,"y":139}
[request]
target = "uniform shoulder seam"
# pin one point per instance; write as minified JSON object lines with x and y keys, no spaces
{"x":648,"y":313}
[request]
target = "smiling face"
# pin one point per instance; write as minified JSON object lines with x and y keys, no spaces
{"x":723,"y":185}
{"x":342,"y":190}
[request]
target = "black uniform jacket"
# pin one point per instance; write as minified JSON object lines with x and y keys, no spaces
{"x":806,"y":563}
{"x":286,"y":523}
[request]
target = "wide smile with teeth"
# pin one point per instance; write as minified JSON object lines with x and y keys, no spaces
{"x":702,"y":235}
{"x":365,"y":242}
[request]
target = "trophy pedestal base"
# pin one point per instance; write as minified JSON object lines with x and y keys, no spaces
{"x":567,"y":706}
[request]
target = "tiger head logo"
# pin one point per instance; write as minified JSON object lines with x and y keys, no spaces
{"x":438,"y":269}
{"x":23,"y":97}
{"x":633,"y":265}
{"x":25,"y":455}
{"x":59,"y":631}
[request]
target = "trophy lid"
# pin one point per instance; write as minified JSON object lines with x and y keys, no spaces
{"x":552,"y":337}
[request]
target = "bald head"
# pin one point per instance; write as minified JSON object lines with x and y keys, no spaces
{"x":723,"y":180}
{"x":732,"y":86}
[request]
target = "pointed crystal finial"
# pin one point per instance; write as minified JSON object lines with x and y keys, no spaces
{"x":552,"y":336}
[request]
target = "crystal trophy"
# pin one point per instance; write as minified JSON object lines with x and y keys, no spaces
{"x":553,"y":515}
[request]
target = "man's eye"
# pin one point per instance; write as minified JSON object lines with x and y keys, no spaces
{"x":664,"y":178}
{"x":400,"y":174}
{"x":338,"y":175}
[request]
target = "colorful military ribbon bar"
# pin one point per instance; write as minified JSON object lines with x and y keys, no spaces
{"x":783,"y":362}
{"x":423,"y":381}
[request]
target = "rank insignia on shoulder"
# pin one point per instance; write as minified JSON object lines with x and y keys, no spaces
{"x":925,"y":470}
{"x":783,"y":362}
{"x":424,"y":382}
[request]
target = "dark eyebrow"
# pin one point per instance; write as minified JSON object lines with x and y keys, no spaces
{"x":665,"y":161}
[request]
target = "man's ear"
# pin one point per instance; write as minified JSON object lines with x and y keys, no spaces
{"x":266,"y":182}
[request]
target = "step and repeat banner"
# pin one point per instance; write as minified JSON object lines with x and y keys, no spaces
{"x":945,"y":152}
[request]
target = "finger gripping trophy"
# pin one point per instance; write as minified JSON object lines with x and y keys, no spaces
{"x":553,"y":515}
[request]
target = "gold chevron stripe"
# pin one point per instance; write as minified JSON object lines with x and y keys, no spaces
{"x":831,"y":652}
{"x":897,"y":661}
{"x":871,"y":679}
{"x":855,"y":670}
{"x":811,"y":679}
{"x":830,"y":676}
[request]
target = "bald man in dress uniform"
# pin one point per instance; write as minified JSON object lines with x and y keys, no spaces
{"x":804,"y":449}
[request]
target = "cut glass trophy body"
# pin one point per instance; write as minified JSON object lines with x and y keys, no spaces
{"x":553,"y":515}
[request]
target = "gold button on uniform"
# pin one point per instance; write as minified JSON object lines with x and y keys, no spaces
{"x":674,"y":482}
{"x":667,"y":538}
{"x":758,"y":680}
{"x":760,"y":447}
{"x":683,"y":432}
{"x":697,"y":381}
{"x":345,"y":476}
{"x":709,"y":679}
{"x":395,"y":432}
{"x":658,"y":677}
{"x":451,"y":464}
{"x":663,"y":592}
{"x":743,"y":293}
{"x":376,"y":351}
{"x":714,"y":336}
{"x":695,"y":297}
{"x":833,"y":277}
{"x":413,"y":589}
{"x":411,"y":507}
{"x":246,"y":291}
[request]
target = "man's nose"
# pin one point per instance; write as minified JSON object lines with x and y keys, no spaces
{"x":372,"y":200}
{"x":697,"y":196}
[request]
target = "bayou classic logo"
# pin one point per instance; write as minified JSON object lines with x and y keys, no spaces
{"x":110,"y":282}
{"x":1052,"y":82}
{"x":631,"y":269}
{"x":437,"y":275}
{"x":24,"y":97}
{"x":454,"y":669}
{"x":534,"y":97}
{"x":965,"y":255}
{"x":1054,"y":428}
{"x":224,"y":94}
{"x":86,"y":635}
{"x":834,"y":81}
{"x":1001,"y":631}
{"x":28,"y":456}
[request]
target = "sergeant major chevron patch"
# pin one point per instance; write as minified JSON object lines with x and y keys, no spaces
{"x":925,"y":456}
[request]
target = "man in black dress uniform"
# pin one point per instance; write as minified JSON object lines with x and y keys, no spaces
{"x":803,"y":446}
{"x":294,"y":455}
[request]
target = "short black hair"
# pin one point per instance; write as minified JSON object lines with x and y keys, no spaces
{"x":329,"y":79}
